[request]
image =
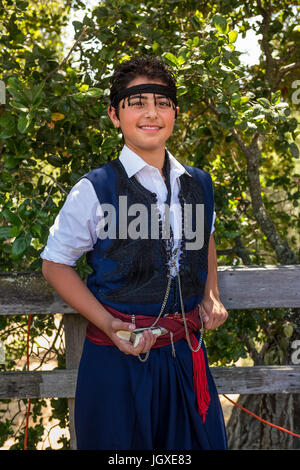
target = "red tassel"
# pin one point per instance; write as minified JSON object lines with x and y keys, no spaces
{"x":200,"y":379}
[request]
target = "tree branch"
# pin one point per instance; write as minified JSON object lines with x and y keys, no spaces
{"x":284,"y":70}
{"x":241,"y":251}
{"x":252,"y":153}
{"x":254,"y":354}
{"x":51,"y":347}
{"x":51,"y":177}
{"x":273,"y":76}
{"x":264,"y":27}
{"x":239,"y":141}
{"x":283,"y":252}
{"x":83,"y":33}
{"x":289,"y":54}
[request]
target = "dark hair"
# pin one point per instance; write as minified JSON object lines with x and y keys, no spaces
{"x":147,"y":66}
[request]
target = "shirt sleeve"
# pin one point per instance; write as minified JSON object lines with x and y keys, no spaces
{"x":74,"y":230}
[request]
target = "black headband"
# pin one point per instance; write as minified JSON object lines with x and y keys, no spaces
{"x":169,"y":92}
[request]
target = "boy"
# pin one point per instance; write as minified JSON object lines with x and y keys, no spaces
{"x":166,"y":399}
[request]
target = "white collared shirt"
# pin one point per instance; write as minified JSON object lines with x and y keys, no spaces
{"x":75,"y":229}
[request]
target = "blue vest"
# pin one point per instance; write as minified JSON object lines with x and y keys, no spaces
{"x":131,"y":275}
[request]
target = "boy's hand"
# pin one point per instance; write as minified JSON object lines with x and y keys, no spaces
{"x":146,"y":342}
{"x":213,"y":312}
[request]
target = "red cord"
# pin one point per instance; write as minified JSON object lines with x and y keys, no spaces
{"x":29,"y":400}
{"x":260,"y":419}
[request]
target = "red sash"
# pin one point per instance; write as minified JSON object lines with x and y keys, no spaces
{"x":172,"y":322}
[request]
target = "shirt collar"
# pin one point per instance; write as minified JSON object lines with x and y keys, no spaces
{"x":133,"y":163}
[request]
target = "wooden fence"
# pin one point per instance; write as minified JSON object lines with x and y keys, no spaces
{"x":240,"y":288}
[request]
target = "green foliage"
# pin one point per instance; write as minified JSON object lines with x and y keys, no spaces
{"x":262,"y":335}
{"x":54,"y":128}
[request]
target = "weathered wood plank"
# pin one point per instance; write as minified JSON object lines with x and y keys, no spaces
{"x":75,"y":330}
{"x":257,"y":379}
{"x":39,"y":384}
{"x":237,"y":380}
{"x":29,"y":293}
{"x":259,"y":286}
{"x":240,"y":287}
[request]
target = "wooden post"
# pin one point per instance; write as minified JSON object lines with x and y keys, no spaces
{"x":75,"y":329}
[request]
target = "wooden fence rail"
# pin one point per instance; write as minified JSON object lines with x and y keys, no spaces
{"x":240,"y":288}
{"x":242,"y":380}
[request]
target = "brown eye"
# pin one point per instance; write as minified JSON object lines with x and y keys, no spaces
{"x":164,"y":102}
{"x":135,"y":101}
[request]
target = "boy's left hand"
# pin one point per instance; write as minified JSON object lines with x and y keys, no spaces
{"x":213,"y":312}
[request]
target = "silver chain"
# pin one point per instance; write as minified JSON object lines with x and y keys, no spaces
{"x":184,"y":319}
{"x":173,"y":265}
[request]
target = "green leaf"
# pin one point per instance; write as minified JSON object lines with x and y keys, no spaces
{"x":264,"y":102}
{"x":243,"y":125}
{"x":275,"y":98}
{"x":244,"y":99}
{"x":234,"y":86}
{"x":19,"y":106}
{"x":220,"y":23}
{"x":37,"y":92}
{"x":14,"y":82}
{"x":239,"y":100}
{"x":18,"y":96}
{"x":214,"y":61}
{"x":232,"y":36}
{"x":90,"y":93}
{"x":55,"y":161}
{"x":222,"y":108}
{"x":24,"y":122}
{"x":181,"y":90}
{"x":288,"y":330}
{"x":11,"y":217}
{"x":181,"y":60}
{"x":8,"y":125}
{"x":294,"y":150}
{"x":21,"y":244}
{"x":293,"y":124}
{"x":198,"y":16}
{"x":22,"y":5}
{"x":11,"y":162}
{"x":94,"y":92}
{"x":8,"y":122}
{"x":171,"y":59}
{"x":284,"y":343}
{"x":196,"y":41}
{"x":37,"y":228}
{"x":15,"y":231}
{"x":227,"y":121}
{"x":6,"y":134}
{"x":5,"y":232}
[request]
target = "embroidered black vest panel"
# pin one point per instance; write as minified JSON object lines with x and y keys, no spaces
{"x":131,"y":275}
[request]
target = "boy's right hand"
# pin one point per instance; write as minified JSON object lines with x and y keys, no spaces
{"x":146,"y":342}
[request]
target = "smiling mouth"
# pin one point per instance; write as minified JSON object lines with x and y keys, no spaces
{"x":150,"y":128}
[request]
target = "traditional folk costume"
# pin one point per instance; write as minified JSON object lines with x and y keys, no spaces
{"x":166,"y":399}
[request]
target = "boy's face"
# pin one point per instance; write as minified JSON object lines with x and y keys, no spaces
{"x":146,"y":121}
